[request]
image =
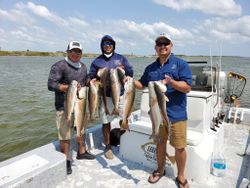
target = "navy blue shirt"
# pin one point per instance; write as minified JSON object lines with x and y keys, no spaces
{"x":114,"y":61}
{"x":178,"y":70}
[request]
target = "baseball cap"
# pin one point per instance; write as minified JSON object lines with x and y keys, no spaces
{"x":163,"y":37}
{"x":74,"y":44}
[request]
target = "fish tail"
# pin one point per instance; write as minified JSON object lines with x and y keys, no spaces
{"x":124,"y":125}
{"x":115,"y":111}
{"x":107,"y":111}
{"x":91,"y":118}
{"x":155,"y":138}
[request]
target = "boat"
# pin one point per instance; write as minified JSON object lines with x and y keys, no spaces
{"x":218,"y":134}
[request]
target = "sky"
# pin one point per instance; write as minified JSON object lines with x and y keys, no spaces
{"x":196,"y":27}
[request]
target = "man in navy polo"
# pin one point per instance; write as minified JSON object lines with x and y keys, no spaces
{"x":176,"y":75}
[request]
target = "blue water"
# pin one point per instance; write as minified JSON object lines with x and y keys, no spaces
{"x":27,"y":115}
{"x":219,"y":165}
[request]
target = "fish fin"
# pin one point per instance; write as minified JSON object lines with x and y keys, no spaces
{"x":166,"y":98}
{"x":171,"y":158}
{"x":149,"y":112}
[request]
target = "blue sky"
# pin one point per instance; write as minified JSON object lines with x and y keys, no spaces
{"x":197,"y":27}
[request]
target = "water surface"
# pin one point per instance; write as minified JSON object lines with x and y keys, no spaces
{"x":27,"y":115}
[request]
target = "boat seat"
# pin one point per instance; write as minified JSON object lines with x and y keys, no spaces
{"x":145,"y":127}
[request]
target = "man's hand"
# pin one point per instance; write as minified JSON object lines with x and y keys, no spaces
{"x":63,"y":87}
{"x":167,"y":80}
{"x":93,"y":81}
{"x":126,"y":79}
{"x":78,"y":87}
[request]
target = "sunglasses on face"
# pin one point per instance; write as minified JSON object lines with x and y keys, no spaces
{"x":107,"y":43}
{"x":74,"y":51}
{"x":159,"y":44}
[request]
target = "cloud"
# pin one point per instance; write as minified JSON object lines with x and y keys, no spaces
{"x":43,"y":12}
{"x":212,"y":7}
{"x":17,"y":16}
{"x":227,"y":30}
{"x":126,"y":30}
{"x":51,"y":32}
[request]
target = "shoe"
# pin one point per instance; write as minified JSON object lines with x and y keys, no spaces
{"x":156,"y":175}
{"x":68,"y":167}
{"x":181,"y":184}
{"x":85,"y":155}
{"x":108,"y":152}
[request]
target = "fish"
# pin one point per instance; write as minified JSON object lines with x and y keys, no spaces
{"x":157,"y":104}
{"x":160,"y":90}
{"x":121,"y":74}
{"x":104,"y":76}
{"x":71,"y":97}
{"x":94,"y":98}
{"x":129,"y":97}
{"x":116,"y":89}
{"x":154,"y":112}
{"x":80,"y":111}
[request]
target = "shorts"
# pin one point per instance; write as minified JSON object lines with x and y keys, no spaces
{"x":106,"y":118}
{"x":64,"y":127}
{"x":178,"y":134}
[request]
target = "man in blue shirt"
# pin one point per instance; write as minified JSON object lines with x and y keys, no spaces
{"x":176,"y":75}
{"x":108,"y":59}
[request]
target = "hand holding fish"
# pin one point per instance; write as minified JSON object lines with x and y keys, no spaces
{"x":167,"y":80}
{"x":93,"y":81}
{"x":63,"y":87}
{"x":122,"y":66}
{"x":78,"y":87}
{"x":126,"y":78}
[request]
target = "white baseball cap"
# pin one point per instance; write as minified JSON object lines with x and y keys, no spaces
{"x":163,"y":36}
{"x":73,"y":45}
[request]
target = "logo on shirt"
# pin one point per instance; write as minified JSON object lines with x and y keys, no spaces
{"x":173,"y":66}
{"x":117,"y":62}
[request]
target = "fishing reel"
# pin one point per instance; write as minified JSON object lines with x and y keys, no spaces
{"x":217,"y":121}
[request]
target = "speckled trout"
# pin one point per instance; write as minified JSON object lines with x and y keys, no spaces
{"x":80,"y":111}
{"x":129,"y":97}
{"x":71,"y":97}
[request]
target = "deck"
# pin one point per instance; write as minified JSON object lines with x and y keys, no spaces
{"x":122,"y":173}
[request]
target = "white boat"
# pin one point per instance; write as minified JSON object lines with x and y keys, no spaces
{"x":209,"y":138}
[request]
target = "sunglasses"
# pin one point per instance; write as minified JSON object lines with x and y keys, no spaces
{"x":107,"y":43}
{"x":159,"y":44}
{"x":77,"y":52}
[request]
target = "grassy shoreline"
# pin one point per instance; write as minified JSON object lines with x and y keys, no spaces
{"x":88,"y":55}
{"x":36,"y":53}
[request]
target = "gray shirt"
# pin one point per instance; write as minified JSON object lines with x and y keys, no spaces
{"x":63,"y":73}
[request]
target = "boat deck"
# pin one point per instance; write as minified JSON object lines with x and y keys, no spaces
{"x":123,"y":173}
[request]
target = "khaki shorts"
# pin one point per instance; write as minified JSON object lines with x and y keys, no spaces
{"x":64,"y":127}
{"x":178,"y":134}
{"x":105,"y":118}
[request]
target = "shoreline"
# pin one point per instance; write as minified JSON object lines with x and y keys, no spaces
{"x":88,"y":55}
